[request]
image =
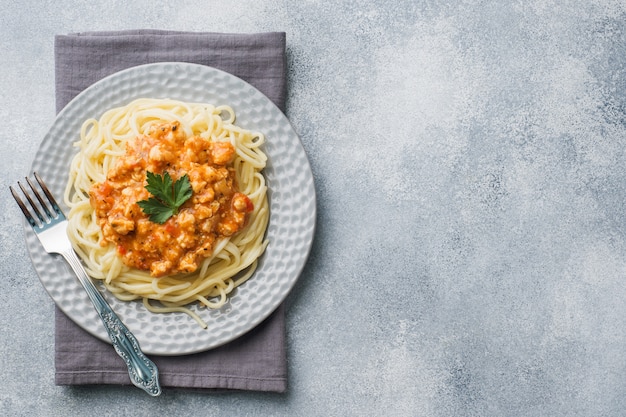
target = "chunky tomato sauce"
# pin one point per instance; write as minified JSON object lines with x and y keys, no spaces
{"x":216,"y":208}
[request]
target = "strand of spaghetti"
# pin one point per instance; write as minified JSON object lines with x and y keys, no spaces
{"x":204,"y":286}
{"x":213,"y":304}
{"x":246,"y":276}
{"x":168,"y":289}
{"x":192,"y":314}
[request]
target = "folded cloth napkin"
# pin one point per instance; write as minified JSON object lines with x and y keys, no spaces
{"x":256,"y":360}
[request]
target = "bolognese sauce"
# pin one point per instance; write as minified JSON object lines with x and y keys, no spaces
{"x":215,"y":210}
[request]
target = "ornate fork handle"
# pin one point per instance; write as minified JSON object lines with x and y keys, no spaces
{"x":142,"y":371}
{"x":50,"y":225}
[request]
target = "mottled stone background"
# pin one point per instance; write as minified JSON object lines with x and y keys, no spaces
{"x":470,"y":252}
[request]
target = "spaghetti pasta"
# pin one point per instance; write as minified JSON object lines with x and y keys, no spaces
{"x":233,"y":259}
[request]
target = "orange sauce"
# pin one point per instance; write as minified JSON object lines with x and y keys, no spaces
{"x":216,"y":209}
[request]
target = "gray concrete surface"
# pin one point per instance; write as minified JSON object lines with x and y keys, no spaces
{"x":469,"y":163}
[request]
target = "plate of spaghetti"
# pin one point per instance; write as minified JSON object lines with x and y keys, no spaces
{"x":190,"y":201}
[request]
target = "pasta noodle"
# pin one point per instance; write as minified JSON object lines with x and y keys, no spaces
{"x":233,"y":260}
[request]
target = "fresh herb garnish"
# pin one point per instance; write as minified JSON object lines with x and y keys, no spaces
{"x":167,"y":197}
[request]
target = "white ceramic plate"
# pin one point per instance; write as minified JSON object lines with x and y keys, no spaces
{"x":291,"y":195}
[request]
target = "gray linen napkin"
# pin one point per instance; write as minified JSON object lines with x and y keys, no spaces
{"x":256,"y":360}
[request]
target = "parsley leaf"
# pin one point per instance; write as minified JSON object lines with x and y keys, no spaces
{"x":167,"y":197}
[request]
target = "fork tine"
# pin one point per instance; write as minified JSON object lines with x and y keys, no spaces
{"x":38,"y":196}
{"x":20,"y":203}
{"x":53,"y":202}
{"x":40,"y":216}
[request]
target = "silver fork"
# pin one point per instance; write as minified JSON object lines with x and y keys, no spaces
{"x":50,"y":226}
